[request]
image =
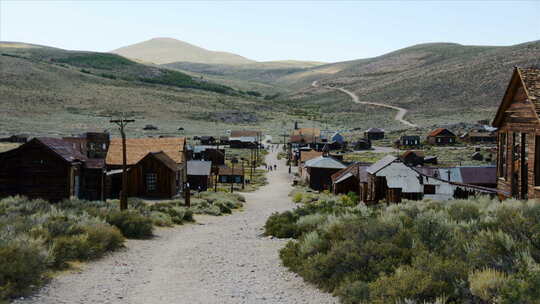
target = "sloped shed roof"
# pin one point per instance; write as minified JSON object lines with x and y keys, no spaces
{"x":199,"y":167}
{"x":163,"y":158}
{"x":66,"y":150}
{"x":324,"y":162}
{"x":381,"y":164}
{"x":137,"y":148}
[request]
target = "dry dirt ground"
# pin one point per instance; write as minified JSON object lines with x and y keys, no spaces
{"x":218,"y":260}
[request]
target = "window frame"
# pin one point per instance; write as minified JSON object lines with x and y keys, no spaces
{"x":151,"y":182}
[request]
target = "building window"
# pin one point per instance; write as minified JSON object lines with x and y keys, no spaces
{"x":151,"y":181}
{"x":502,"y":155}
{"x":429,"y":189}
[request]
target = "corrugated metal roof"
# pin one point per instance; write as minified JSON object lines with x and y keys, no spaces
{"x":376,"y":167}
{"x":199,"y":167}
{"x":67,"y":150}
{"x":245,"y":133}
{"x":324,"y":162}
{"x":344,"y":177}
{"x":479,"y":175}
{"x":137,"y":148}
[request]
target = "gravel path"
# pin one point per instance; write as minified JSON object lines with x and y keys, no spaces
{"x":218,"y":260}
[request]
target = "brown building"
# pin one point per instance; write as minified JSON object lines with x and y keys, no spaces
{"x":441,"y":137}
{"x":52,"y":169}
{"x":374,"y":134}
{"x":150,"y":162}
{"x":319,"y":170}
{"x":92,"y":144}
{"x":413,"y":158}
{"x":518,"y":123}
{"x":351,"y":179}
{"x":478,"y":137}
{"x":199,"y":172}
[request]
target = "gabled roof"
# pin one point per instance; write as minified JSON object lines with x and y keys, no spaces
{"x":307,"y":155}
{"x":381,"y":164}
{"x":68,"y":151}
{"x":529,"y":78}
{"x":163,"y":158}
{"x":408,"y":153}
{"x":137,"y":148}
{"x":404,"y":137}
{"x":357,"y":169}
{"x":199,"y":167}
{"x":441,"y":131}
{"x":324,"y":162}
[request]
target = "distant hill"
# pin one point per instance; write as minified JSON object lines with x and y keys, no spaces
{"x":51,"y":91}
{"x":168,"y":50}
{"x":437,"y":82}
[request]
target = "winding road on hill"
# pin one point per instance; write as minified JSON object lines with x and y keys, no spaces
{"x":399,"y":116}
{"x":218,"y":260}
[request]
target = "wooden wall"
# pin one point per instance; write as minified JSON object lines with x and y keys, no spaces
{"x":166,"y":179}
{"x":36,"y":172}
{"x":518,"y":176}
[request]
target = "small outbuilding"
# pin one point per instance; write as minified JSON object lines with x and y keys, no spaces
{"x":374,"y":134}
{"x":408,"y":141}
{"x":319,"y":170}
{"x":441,"y":137}
{"x":199,"y":172}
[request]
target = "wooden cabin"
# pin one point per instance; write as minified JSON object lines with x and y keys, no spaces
{"x":229,"y":175}
{"x":150,"y":149}
{"x":351,"y":179}
{"x":51,"y":169}
{"x":362,"y":144}
{"x":374,"y":134}
{"x":304,"y":157}
{"x":518,"y":123}
{"x":154,"y":176}
{"x":408,"y":141}
{"x":209,"y":153}
{"x":441,"y":137}
{"x":478,"y":137}
{"x":199,"y":172}
{"x":318,"y":172}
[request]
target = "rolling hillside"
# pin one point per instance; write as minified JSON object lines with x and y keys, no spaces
{"x":51,"y":91}
{"x":438,"y":83}
{"x":168,"y":50}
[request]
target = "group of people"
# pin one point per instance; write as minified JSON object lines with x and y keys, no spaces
{"x":270,"y":167}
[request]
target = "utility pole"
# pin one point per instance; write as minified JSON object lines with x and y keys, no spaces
{"x":123,"y":194}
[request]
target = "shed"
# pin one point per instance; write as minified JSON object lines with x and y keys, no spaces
{"x":319,"y":172}
{"x":229,"y":175}
{"x":374,"y":134}
{"x":199,"y":174}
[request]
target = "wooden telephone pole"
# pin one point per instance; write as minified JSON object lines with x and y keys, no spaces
{"x":123,"y":194}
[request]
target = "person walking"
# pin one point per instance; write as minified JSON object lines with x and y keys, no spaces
{"x":275,"y":167}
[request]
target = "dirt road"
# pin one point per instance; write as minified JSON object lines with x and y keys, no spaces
{"x":399,"y":116}
{"x":218,"y":260}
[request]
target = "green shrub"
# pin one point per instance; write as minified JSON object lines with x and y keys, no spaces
{"x":282,"y":225}
{"x":69,"y":248}
{"x":23,"y":262}
{"x":487,"y":283}
{"x":297,"y":197}
{"x":131,"y":223}
{"x":161,"y":219}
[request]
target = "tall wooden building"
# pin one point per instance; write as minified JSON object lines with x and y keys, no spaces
{"x":518,"y":135}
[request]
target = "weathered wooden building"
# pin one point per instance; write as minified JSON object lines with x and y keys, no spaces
{"x":441,"y":137}
{"x":318,"y":172}
{"x":413,"y":158}
{"x":518,"y":123}
{"x":150,"y":162}
{"x":52,"y":169}
{"x":408,"y":141}
{"x":374,"y":134}
{"x":199,"y":174}
{"x":478,"y":137}
{"x":231,"y":175}
{"x":154,"y":176}
{"x":353,"y":178}
{"x":92,"y":144}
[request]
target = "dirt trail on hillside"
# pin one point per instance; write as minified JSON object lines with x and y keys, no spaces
{"x":399,"y":116}
{"x":218,"y":260}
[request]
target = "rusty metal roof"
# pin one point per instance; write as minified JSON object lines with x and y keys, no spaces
{"x":307,"y":155}
{"x":137,"y":148}
{"x":245,"y":133}
{"x":67,"y":150}
{"x":230,"y":171}
{"x":440,"y":131}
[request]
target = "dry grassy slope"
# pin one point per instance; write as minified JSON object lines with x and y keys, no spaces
{"x":39,"y":95}
{"x":167,"y":50}
{"x":438,"y":82}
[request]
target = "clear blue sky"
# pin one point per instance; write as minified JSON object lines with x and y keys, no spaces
{"x":276,"y":30}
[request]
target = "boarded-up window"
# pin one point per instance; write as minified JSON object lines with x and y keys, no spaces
{"x":429,"y":189}
{"x":502,"y":155}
